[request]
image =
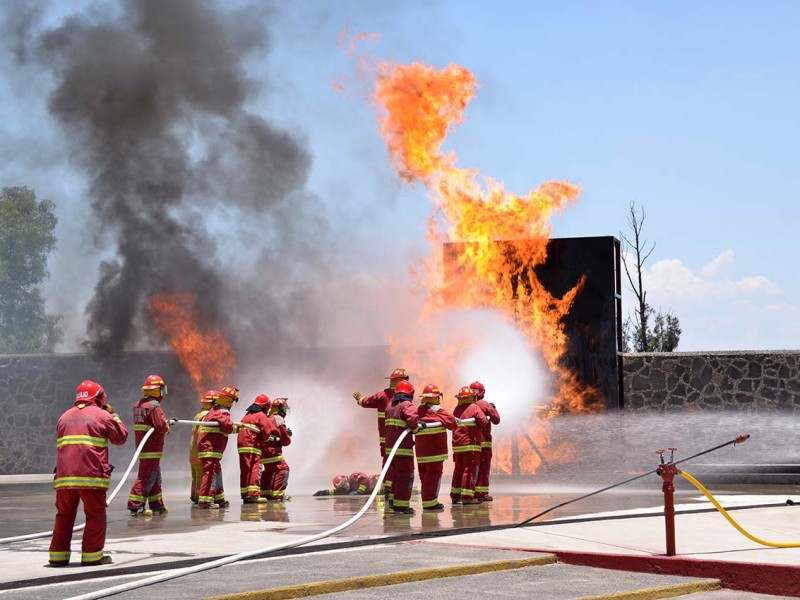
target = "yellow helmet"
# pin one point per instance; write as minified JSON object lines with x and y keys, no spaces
{"x":227,"y":396}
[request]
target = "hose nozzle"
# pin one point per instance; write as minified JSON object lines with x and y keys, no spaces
{"x":742,"y":438}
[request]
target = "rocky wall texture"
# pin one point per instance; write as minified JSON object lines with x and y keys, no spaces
{"x":750,"y":382}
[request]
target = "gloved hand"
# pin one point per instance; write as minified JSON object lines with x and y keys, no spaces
{"x":320,"y":493}
{"x":289,"y":431}
{"x":354,"y":493}
{"x":492,"y":403}
{"x":172,"y":421}
{"x":108,"y":408}
{"x":358,"y":396}
{"x":422,"y":424}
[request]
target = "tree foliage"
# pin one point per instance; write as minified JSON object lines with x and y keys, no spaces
{"x":648,"y":331}
{"x":26,"y":239}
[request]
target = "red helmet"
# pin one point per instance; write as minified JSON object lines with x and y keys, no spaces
{"x":209,"y":397}
{"x":465,"y":392}
{"x":154,"y":386}
{"x":398,"y":374}
{"x":431,"y":391}
{"x":89,"y":391}
{"x":373,"y":480}
{"x":341,"y":483}
{"x":227,"y":396}
{"x":404,"y":387}
{"x":479,"y":388}
{"x":262,"y":400}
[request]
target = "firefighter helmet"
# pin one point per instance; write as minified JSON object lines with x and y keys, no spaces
{"x":89,"y":391}
{"x":262,"y":400}
{"x":279,"y":406}
{"x":227,"y":396}
{"x":431,"y":391}
{"x":465,"y":394}
{"x":341,"y":483}
{"x":154,"y":386}
{"x":209,"y":397}
{"x":479,"y":388}
{"x":373,"y":480}
{"x":405,"y":387}
{"x":398,"y":374}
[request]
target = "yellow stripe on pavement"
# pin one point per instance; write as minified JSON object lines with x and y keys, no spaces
{"x":667,"y":591}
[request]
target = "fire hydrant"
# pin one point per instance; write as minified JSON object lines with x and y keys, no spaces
{"x":667,"y":472}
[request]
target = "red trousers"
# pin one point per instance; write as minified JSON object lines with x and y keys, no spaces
{"x":387,"y":481}
{"x":402,"y":480}
{"x":211,"y":488}
{"x":197,"y":477}
{"x":274,"y":480}
{"x":484,"y":468}
{"x":94,"y":536}
{"x":464,"y":474}
{"x":249,"y":466}
{"x":147,"y":487}
{"x":430,"y":477}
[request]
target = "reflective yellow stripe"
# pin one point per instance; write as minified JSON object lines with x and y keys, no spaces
{"x":382,"y":440}
{"x":86,"y":440}
{"x":142,"y":427}
{"x":429,"y":503}
{"x":401,"y":452}
{"x":209,"y":429}
{"x":58,"y":556}
{"x":486,"y":444}
{"x":467,"y":424}
{"x":402,"y":503}
{"x":205,"y":499}
{"x":249,"y":488}
{"x":455,"y":491}
{"x":136,"y":498}
{"x":396,"y":423}
{"x":272,"y":459}
{"x":430,"y":459}
{"x":381,"y":415}
{"x":90,"y":482}
{"x":466,"y":448}
{"x":249,"y":450}
{"x":484,"y":489}
{"x":155,"y":497}
{"x":430,"y":431}
{"x":209,"y":455}
{"x":146,"y":455}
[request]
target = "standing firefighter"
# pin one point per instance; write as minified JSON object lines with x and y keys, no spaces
{"x":147,"y":415}
{"x":255,"y":432}
{"x":380,"y":400}
{"x":401,"y":414}
{"x":275,"y":476}
{"x":194,"y":461}
{"x":467,"y":440}
{"x":83,"y":472}
{"x":431,"y":446}
{"x":485,"y":466}
{"x":211,"y":443}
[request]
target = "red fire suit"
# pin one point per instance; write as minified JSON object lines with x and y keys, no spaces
{"x":249,"y":444}
{"x":359,"y":484}
{"x":485,"y":466}
{"x":467,"y":452}
{"x":147,"y":415}
{"x":380,"y":401}
{"x":82,"y":473}
{"x":431,"y":449}
{"x":211,"y":443}
{"x":400,"y":414}
{"x":275,"y":476}
{"x":194,"y":461}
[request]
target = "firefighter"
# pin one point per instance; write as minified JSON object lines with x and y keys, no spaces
{"x":82,"y":473}
{"x":194,"y":461}
{"x":147,"y":415}
{"x":485,"y":465}
{"x":355,"y":484}
{"x":402,"y":414}
{"x":431,"y":446}
{"x":250,"y":442}
{"x":211,"y":443}
{"x":275,"y":476}
{"x":380,"y":400}
{"x":467,"y":440}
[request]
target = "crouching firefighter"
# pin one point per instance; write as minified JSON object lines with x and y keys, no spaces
{"x":401,"y":414}
{"x":275,"y":476}
{"x":211,"y":443}
{"x":257,"y":427}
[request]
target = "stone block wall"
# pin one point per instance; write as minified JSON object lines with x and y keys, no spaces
{"x":751,"y":382}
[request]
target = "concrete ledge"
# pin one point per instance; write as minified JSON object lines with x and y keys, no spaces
{"x":371,"y":581}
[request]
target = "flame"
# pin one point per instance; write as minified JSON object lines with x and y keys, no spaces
{"x":205,"y":354}
{"x":502,"y":237}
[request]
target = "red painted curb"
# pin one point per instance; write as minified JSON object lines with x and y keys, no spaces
{"x":760,"y":578}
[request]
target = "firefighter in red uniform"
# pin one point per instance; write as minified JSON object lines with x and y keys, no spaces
{"x":355,"y":484}
{"x":211,"y":443}
{"x":380,"y":400}
{"x":275,"y":476}
{"x":194,"y":461}
{"x":83,"y":472}
{"x":147,"y":415}
{"x":467,"y":440}
{"x":431,"y":446}
{"x":485,"y":466}
{"x":402,"y":414}
{"x":255,"y":432}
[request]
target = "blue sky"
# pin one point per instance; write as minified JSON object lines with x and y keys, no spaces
{"x":688,"y":109}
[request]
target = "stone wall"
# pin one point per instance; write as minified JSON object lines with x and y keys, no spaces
{"x":751,"y":382}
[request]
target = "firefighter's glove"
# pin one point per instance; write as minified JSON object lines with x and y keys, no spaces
{"x":354,"y":493}
{"x":108,"y":408}
{"x":358,"y":396}
{"x":321,"y":493}
{"x":172,"y":421}
{"x":289,"y":431}
{"x":492,"y":403}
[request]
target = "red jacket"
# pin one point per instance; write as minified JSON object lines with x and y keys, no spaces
{"x":359,"y":482}
{"x":147,"y":415}
{"x":249,"y":441}
{"x":83,"y":433}
{"x":380,"y":401}
{"x":212,"y":439}
{"x":468,"y":438}
{"x":401,"y":413}
{"x":272,"y":447}
{"x":492,"y":416}
{"x":431,"y":444}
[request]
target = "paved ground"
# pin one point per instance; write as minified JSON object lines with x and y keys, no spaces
{"x":620,"y":529}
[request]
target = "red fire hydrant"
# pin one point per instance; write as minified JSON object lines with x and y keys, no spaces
{"x":667,"y":472}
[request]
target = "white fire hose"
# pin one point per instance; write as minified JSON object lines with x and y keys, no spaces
{"x":244,"y":555}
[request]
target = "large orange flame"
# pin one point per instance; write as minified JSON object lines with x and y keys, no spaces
{"x":205,"y":354}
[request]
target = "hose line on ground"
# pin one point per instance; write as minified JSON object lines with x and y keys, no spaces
{"x":725,"y":514}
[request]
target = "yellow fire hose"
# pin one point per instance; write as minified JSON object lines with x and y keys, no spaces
{"x":725,"y":514}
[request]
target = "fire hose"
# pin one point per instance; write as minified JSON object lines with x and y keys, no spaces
{"x":44,"y":534}
{"x":252,"y":553}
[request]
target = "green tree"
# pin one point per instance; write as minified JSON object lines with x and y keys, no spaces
{"x":26,"y":239}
